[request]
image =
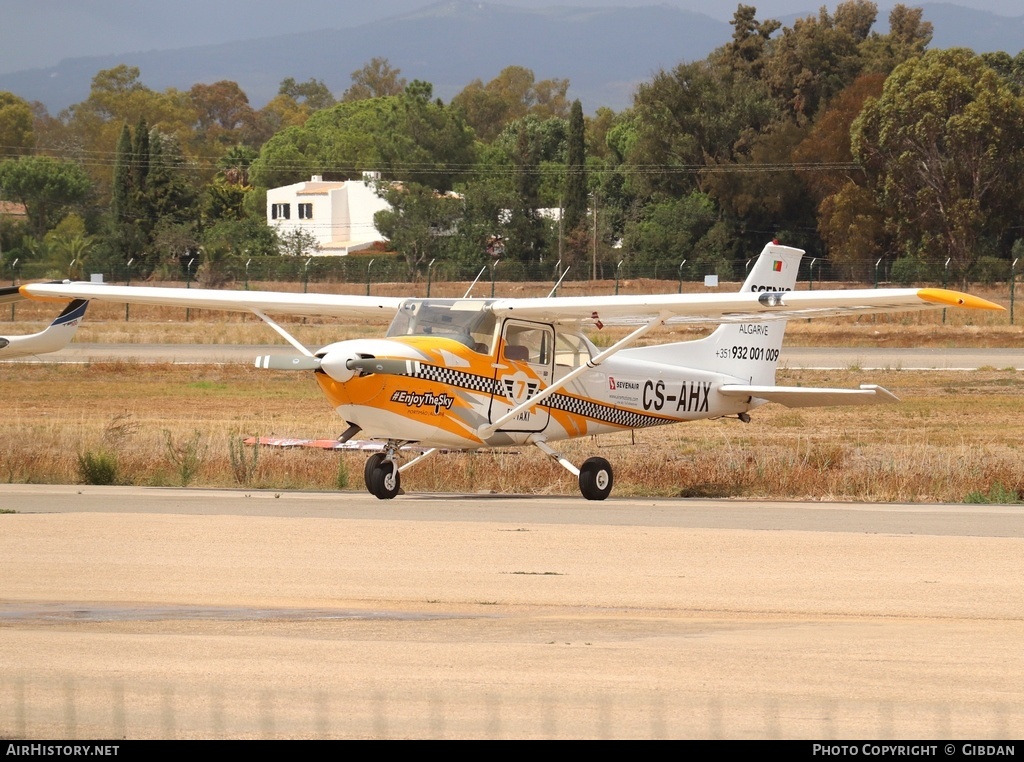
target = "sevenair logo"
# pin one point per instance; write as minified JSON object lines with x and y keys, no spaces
{"x":614,"y":385}
{"x":424,"y":399}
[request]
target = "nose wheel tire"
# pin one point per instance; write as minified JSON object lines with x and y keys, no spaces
{"x":371,"y":463}
{"x":596,"y":479}
{"x":385,"y":481}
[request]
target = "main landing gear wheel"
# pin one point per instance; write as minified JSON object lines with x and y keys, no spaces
{"x":371,"y":463}
{"x":385,"y":481}
{"x":596,"y":478}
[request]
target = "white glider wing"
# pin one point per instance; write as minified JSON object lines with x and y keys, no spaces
{"x":55,"y":337}
{"x":271,"y":302}
{"x":740,"y":307}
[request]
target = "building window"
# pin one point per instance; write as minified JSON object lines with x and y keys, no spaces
{"x":280,"y":211}
{"x":305,"y":211}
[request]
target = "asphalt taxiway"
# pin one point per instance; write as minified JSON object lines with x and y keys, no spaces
{"x":233,"y":613}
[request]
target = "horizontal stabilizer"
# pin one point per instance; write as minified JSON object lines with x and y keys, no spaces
{"x":798,"y":396}
{"x":287,"y":362}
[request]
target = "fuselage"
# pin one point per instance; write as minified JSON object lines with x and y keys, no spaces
{"x":457,"y":387}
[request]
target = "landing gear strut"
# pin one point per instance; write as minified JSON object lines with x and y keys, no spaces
{"x":382,"y":474}
{"x":595,"y":475}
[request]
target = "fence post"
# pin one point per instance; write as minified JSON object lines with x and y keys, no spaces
{"x":128,"y":282}
{"x":14,"y":280}
{"x":1013,"y":283}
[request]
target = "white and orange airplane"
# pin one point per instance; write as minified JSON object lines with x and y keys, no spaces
{"x":465,"y":374}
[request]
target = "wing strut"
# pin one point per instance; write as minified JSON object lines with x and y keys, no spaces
{"x":282,"y":332}
{"x":485,"y":432}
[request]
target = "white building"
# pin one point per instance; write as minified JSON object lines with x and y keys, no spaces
{"x":338,"y":214}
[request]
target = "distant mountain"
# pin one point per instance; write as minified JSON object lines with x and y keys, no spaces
{"x":959,"y":27}
{"x":604,"y":52}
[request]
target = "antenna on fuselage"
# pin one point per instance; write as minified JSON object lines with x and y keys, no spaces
{"x":470,"y":289}
{"x":554,"y":290}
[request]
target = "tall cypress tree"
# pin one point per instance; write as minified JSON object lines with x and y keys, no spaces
{"x":142,"y":207}
{"x":576,"y":171}
{"x":121,"y":192}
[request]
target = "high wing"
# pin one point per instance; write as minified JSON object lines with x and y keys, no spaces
{"x":742,"y":307}
{"x":672,"y":308}
{"x":272,"y":302}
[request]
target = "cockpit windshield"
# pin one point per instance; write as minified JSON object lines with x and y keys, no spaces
{"x":464,"y":320}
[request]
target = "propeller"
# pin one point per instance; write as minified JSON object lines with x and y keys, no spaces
{"x":388,"y":367}
{"x":337,"y":367}
{"x":287,"y":362}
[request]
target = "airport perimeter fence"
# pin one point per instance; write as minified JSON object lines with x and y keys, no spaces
{"x":388,"y":267}
{"x":79,"y":708}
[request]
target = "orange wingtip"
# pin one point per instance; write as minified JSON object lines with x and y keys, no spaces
{"x":956,"y":299}
{"x":37,"y":298}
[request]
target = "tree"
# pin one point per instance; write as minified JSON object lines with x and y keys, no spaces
{"x":312,"y":93}
{"x":375,"y":80}
{"x":672,"y":230}
{"x":850,"y":221}
{"x":513,"y":94}
{"x":118,"y":97}
{"x":750,"y":40}
{"x":908,"y":37}
{"x":943,"y":148}
{"x":47,"y":187}
{"x":418,"y":222}
{"x":423,"y":140}
{"x":222,"y":114}
{"x":122,"y":188}
{"x":699,"y":113}
{"x":576,"y":177}
{"x":298,"y":243}
{"x":339,"y":141}
{"x":16,"y":130}
{"x":68,"y":247}
{"x":818,"y":56}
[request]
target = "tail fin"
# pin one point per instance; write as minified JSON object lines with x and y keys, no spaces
{"x":55,"y":337}
{"x":748,"y":351}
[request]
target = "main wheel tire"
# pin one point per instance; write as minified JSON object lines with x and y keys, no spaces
{"x":385,"y":480}
{"x":371,"y":465}
{"x":596,"y":479}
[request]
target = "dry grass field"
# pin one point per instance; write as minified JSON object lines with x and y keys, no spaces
{"x":956,"y":436}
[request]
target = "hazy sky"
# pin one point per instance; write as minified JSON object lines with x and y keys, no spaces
{"x":40,"y":33}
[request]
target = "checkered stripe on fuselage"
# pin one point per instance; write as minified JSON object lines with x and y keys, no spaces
{"x":565,"y":402}
{"x":458,"y":378}
{"x":597,"y":411}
